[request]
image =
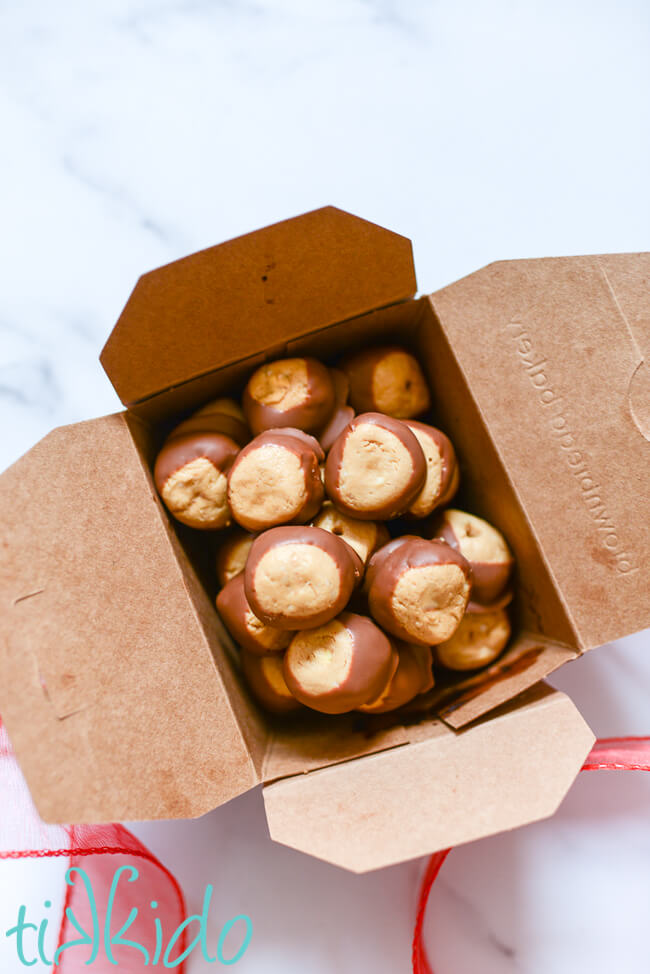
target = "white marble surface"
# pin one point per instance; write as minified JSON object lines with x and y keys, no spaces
{"x":135,"y":131}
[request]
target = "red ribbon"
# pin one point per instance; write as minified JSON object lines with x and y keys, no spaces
{"x":100,"y":851}
{"x":607,"y":754}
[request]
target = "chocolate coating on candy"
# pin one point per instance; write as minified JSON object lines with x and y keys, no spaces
{"x":387,"y":380}
{"x":341,"y":417}
{"x":484,"y":547}
{"x":232,"y":555}
{"x":478,"y":608}
{"x":479,"y":639}
{"x":412,"y":677}
{"x":276,"y":480}
{"x":243,"y":625}
{"x":382,"y":553}
{"x":419,"y":590}
{"x":297,"y":392}
{"x":442,"y":477}
{"x":341,"y":385}
{"x":342,"y":414}
{"x":375,"y":468}
{"x":223,"y":406}
{"x":358,"y":566}
{"x":227,"y":425}
{"x":299,"y":577}
{"x":265,"y":678}
{"x":341,"y":665}
{"x":363,"y":536}
{"x":191,"y":477}
{"x":218,"y":416}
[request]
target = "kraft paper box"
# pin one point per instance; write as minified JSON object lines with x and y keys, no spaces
{"x":117,"y":685}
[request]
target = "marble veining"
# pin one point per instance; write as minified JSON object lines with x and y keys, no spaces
{"x":136,"y":131}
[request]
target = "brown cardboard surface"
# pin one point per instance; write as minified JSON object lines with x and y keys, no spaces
{"x":109,"y":631}
{"x":300,"y":746}
{"x":387,"y":324}
{"x":281,"y":749}
{"x":251,"y":293}
{"x":553,"y":356}
{"x":628,"y":276}
{"x":547,"y":638}
{"x":195,"y":557}
{"x":486,"y":486}
{"x":527,"y":660}
{"x":443,"y":790}
{"x":108,"y":687}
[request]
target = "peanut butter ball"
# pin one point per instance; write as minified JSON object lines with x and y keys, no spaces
{"x":412,"y":677}
{"x":243,"y":625}
{"x":341,"y":417}
{"x":191,"y":476}
{"x":382,"y":553}
{"x":341,"y":665}
{"x":341,"y":386}
{"x":375,"y":468}
{"x":387,"y":380}
{"x":342,"y":414}
{"x":364,"y":536}
{"x":419,"y":590}
{"x":299,"y":577}
{"x":232,"y":555}
{"x":297,"y":392}
{"x":218,"y":416}
{"x":442,"y":477}
{"x":485,"y":549}
{"x":276,"y":480}
{"x":479,"y":639}
{"x":223,"y":406}
{"x":264,"y":676}
{"x":503,"y":600}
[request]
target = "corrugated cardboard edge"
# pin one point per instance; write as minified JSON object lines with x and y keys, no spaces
{"x":509,"y":770}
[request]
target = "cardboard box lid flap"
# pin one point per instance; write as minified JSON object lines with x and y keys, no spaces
{"x":250,"y":294}
{"x":555,"y":352}
{"x":446,"y":789}
{"x":108,"y":687}
{"x":528,"y":659}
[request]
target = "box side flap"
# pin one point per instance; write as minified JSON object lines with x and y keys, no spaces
{"x":318,"y":741}
{"x":449,"y":788}
{"x":300,"y":746}
{"x":108,"y":687}
{"x":195,"y":558}
{"x":528,"y":659}
{"x":553,"y":355}
{"x":486,"y":488}
{"x":628,"y":276}
{"x":247,"y":295}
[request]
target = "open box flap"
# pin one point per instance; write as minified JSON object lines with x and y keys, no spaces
{"x":250,"y":294}
{"x":553,"y":351}
{"x":448,"y":788}
{"x":528,"y":659}
{"x":108,"y":686}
